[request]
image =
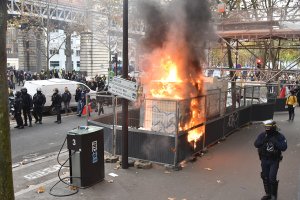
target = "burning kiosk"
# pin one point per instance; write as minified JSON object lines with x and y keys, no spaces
{"x":174,"y":47}
{"x":177,"y":117}
{"x":173,"y":102}
{"x":172,"y":114}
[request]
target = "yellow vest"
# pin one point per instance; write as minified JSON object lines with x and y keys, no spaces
{"x":291,"y":100}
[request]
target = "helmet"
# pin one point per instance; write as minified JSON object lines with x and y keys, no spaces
{"x":38,"y":89}
{"x":24,"y":90}
{"x":18,"y":94}
{"x":270,"y":125}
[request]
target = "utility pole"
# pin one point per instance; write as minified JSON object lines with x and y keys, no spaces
{"x":125,"y":76}
{"x":6,"y":179}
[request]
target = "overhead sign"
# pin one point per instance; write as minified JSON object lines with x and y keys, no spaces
{"x":124,"y":88}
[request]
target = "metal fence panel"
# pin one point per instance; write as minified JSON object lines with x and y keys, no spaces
{"x":231,"y":122}
{"x":262,"y":112}
{"x":160,"y":116}
{"x":214,"y":131}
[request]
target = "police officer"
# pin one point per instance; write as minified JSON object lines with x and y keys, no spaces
{"x":270,"y":144}
{"x":18,"y":110}
{"x":39,"y":101}
{"x":56,"y":104}
{"x":27,"y":106}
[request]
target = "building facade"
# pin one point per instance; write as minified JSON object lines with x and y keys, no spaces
{"x":57,"y":50}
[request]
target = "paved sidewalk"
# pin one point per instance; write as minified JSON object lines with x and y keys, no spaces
{"x":229,"y":171}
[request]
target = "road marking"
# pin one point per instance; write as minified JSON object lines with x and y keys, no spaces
{"x":49,"y":157}
{"x":39,"y":185}
{"x":43,"y":172}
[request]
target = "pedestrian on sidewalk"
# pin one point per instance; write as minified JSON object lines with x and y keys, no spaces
{"x":270,"y":145}
{"x":66,"y":98}
{"x":56,"y":104}
{"x":82,"y":101}
{"x":291,"y":103}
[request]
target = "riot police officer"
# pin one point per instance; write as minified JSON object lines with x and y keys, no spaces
{"x":56,"y":104}
{"x":270,"y":144}
{"x":27,"y":106}
{"x":18,"y":110}
{"x":39,"y":100}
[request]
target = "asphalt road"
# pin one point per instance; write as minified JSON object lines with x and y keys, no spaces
{"x":47,"y":137}
{"x":41,"y":138}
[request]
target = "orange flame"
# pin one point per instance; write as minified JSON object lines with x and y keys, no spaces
{"x":171,"y":83}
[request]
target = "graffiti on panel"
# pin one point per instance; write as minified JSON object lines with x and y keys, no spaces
{"x":233,"y":120}
{"x":163,"y":121}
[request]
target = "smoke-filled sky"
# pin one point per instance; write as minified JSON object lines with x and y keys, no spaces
{"x":181,"y":29}
{"x":192,"y":15}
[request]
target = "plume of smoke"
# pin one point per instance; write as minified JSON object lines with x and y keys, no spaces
{"x":183,"y":28}
{"x":156,"y":22}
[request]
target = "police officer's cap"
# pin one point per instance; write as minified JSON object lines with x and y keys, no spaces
{"x":23,"y":89}
{"x":269,"y":124}
{"x":18,"y":93}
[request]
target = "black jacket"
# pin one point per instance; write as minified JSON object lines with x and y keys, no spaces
{"x":78,"y":95}
{"x":39,"y":100}
{"x":271,"y":145}
{"x":56,"y":100}
{"x":18,"y":105}
{"x":66,"y":97}
{"x":27,"y":101}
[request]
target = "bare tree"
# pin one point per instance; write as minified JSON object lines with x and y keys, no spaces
{"x":39,"y":28}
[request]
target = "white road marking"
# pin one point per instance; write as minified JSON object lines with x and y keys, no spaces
{"x":39,"y":185}
{"x":43,"y":172}
{"x":50,"y":156}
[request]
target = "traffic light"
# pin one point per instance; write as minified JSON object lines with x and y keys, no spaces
{"x":258,"y":63}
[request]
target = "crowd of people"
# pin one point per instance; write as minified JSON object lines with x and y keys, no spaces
{"x":27,"y":105}
{"x":24,"y":103}
{"x":19,"y":77}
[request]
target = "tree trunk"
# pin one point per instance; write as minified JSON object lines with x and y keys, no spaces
{"x":233,"y":84}
{"x":68,"y":52}
{"x":6,"y":180}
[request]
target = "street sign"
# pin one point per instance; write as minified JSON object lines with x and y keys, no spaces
{"x":124,"y":88}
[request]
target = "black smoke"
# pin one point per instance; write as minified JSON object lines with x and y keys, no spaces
{"x":190,"y":17}
{"x":156,"y":23}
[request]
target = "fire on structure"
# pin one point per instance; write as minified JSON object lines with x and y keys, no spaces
{"x":174,"y":47}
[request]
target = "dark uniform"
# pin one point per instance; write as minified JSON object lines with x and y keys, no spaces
{"x":27,"y":106}
{"x":18,"y":110}
{"x":270,"y":144}
{"x":77,"y":99}
{"x":39,"y":101}
{"x":56,"y":104}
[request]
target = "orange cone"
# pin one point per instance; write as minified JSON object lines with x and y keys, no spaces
{"x":84,"y":109}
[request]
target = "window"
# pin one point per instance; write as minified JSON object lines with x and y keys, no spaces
{"x":54,"y":51}
{"x":54,"y":64}
{"x":8,"y":50}
{"x":77,"y":52}
{"x":78,"y":64}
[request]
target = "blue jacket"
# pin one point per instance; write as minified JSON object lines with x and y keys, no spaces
{"x":270,"y":145}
